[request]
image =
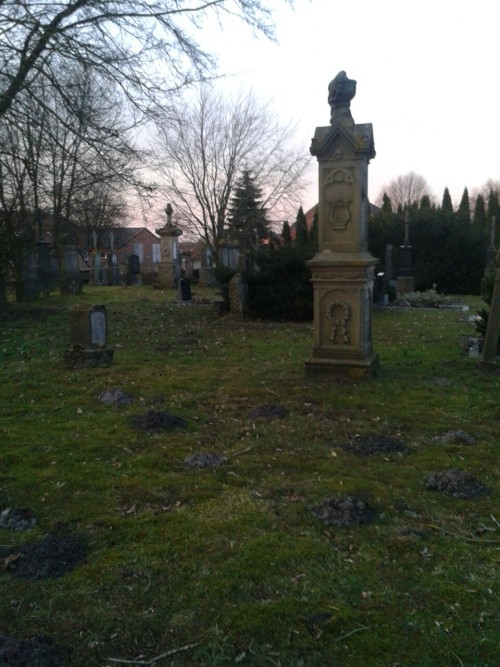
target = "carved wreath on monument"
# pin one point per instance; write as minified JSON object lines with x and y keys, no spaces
{"x":339,"y":312}
{"x":339,"y":193}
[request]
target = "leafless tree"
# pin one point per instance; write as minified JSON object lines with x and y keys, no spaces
{"x":491,"y":185}
{"x":145,"y":47}
{"x":405,"y":190}
{"x":58,"y":161}
{"x":208,"y":143}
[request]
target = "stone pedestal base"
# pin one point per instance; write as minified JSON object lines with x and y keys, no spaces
{"x":165,"y":278}
{"x":405,"y":285}
{"x":77,"y":357}
{"x":343,"y":303}
{"x":71,"y":284}
{"x":331,"y":369}
{"x":490,"y":366}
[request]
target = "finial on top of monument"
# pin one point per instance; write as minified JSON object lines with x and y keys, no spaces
{"x":341,"y":90}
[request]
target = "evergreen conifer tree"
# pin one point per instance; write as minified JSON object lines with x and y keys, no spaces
{"x":386,"y":204}
{"x":301,"y":231}
{"x":479,"y":218}
{"x":425,"y":203}
{"x":247,"y":216}
{"x":446,"y":204}
{"x":493,"y":206}
{"x":313,"y":233}
{"x":463,"y":213}
{"x":286,"y":234}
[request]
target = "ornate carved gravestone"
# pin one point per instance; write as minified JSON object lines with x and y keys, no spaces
{"x":168,"y":269}
{"x":343,"y":269}
{"x":88,"y":338}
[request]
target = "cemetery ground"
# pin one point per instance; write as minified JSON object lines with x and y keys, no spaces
{"x":201,"y":502}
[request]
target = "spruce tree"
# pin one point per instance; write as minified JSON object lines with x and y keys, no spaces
{"x":247,"y":216}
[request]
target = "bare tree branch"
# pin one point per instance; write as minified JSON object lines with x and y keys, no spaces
{"x":205,"y":146}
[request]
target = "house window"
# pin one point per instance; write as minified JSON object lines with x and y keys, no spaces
{"x":156,"y":252}
{"x":139,"y":251}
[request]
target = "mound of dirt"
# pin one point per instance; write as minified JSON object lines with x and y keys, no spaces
{"x":457,"y":483}
{"x":17,"y":519}
{"x":52,"y":556}
{"x":204,"y":460}
{"x":156,"y":421}
{"x":34,"y":652}
{"x":371,"y":445}
{"x":269,"y":411}
{"x":456,"y":437}
{"x":114,"y":397}
{"x":343,"y":512}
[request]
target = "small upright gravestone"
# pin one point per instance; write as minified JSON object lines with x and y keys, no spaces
{"x":88,"y":340}
{"x":184,"y":290}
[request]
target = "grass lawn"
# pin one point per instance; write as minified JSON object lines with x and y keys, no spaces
{"x":230,"y":565}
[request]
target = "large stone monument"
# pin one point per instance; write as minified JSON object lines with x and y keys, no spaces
{"x":167,"y":268}
{"x":343,"y":269}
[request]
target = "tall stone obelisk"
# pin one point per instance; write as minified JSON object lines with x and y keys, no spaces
{"x":343,"y":269}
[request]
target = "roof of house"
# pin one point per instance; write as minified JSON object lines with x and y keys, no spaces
{"x":123,"y":235}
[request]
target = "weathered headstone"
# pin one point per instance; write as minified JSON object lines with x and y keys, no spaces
{"x":134,"y":270}
{"x":184,"y":289}
{"x":71,"y":282}
{"x":343,"y":269}
{"x":207,"y":269}
{"x":27,"y":283}
{"x":238,"y":295}
{"x":88,"y":338}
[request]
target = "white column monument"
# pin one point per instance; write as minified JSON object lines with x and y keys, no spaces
{"x":343,"y":269}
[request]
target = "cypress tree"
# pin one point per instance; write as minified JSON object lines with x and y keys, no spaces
{"x":493,"y":205}
{"x":463,"y":212}
{"x":301,"y":231}
{"x":446,"y":204}
{"x":286,"y":234}
{"x":479,"y":218}
{"x":313,"y":234}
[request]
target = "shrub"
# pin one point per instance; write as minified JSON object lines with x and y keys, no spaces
{"x":281,"y":288}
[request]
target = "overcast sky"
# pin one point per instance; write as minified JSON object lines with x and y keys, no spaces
{"x":427,"y":73}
